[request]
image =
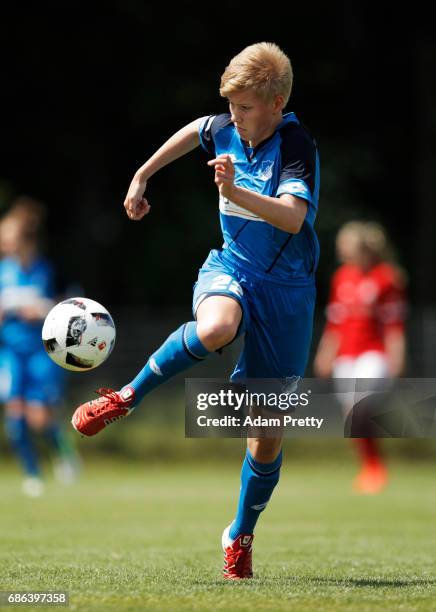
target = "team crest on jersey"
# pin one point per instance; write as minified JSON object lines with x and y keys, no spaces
{"x":266,"y":170}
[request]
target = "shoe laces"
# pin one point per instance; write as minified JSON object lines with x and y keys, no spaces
{"x":106,"y":394}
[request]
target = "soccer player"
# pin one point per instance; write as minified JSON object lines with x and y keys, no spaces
{"x":30,"y":383}
{"x":364,"y":334}
{"x":261,"y":283}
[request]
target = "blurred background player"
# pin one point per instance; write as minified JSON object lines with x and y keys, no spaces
{"x":30,"y":383}
{"x":364,"y":334}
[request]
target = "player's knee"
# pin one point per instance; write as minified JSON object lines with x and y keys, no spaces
{"x":216,"y":334}
{"x":264,"y":450}
{"x":14,"y":408}
{"x":37,"y":418}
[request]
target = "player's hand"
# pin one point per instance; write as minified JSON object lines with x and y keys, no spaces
{"x":224,"y":174}
{"x":322,"y":367}
{"x":135,"y":204}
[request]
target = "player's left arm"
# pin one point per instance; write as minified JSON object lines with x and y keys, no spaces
{"x":395,"y":346}
{"x":391,"y":314}
{"x":287,"y":212}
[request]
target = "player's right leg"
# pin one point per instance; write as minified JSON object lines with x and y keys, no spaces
{"x":18,"y":434}
{"x":218,"y":310}
{"x":277,"y":348}
{"x":373,"y":474}
{"x":43,"y":393}
{"x":259,"y":476}
{"x":16,"y":426}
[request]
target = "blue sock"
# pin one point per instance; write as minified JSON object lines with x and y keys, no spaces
{"x":18,"y":434}
{"x":257,"y":484}
{"x":52,"y":434}
{"x":58,"y":441}
{"x":181,"y":350}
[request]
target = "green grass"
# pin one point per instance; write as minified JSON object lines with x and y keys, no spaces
{"x":133,"y":537}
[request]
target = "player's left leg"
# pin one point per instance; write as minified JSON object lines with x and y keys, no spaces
{"x":19,"y":436}
{"x":373,"y":475}
{"x":43,"y":421}
{"x":44,"y":386}
{"x":16,"y":427}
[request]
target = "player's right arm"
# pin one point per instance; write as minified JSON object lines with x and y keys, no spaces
{"x":182,"y":142}
{"x":330,"y":340}
{"x":326,"y":354}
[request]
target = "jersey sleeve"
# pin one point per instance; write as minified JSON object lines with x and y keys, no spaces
{"x":209,"y":128}
{"x":298,"y":164}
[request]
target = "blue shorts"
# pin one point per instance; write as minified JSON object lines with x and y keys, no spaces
{"x":277,"y":319}
{"x":32,"y":377}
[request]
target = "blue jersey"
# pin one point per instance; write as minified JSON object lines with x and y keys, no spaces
{"x":286,"y":162}
{"x":23,"y":286}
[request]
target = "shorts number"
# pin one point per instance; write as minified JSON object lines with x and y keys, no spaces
{"x":226,"y":282}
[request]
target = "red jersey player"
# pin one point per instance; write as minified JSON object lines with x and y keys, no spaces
{"x":364,"y":333}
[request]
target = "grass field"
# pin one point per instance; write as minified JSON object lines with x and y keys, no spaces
{"x":132,"y":537}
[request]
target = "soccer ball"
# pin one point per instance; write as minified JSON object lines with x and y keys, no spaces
{"x":78,"y":334}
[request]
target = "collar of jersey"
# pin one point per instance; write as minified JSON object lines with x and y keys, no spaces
{"x":287,"y":118}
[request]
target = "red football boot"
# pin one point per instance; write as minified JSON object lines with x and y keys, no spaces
{"x":372,"y":479}
{"x":237,"y":556}
{"x":93,"y":416}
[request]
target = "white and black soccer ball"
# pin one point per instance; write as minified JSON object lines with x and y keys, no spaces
{"x":78,"y":334}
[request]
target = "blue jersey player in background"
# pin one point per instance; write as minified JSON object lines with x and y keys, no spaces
{"x":261,"y":283}
{"x":31,"y":385}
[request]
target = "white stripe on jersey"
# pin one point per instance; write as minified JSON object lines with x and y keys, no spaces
{"x":208,"y":124}
{"x":227,"y":207}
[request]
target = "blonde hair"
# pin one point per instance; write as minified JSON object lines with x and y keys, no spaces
{"x":262,"y":67}
{"x":353,"y":228}
{"x":372,"y":236}
{"x":377,"y":241}
{"x":29,"y":214}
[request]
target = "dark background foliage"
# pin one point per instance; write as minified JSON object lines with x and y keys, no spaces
{"x":89,"y":90}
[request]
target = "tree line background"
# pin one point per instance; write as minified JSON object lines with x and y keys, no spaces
{"x":91,"y":89}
